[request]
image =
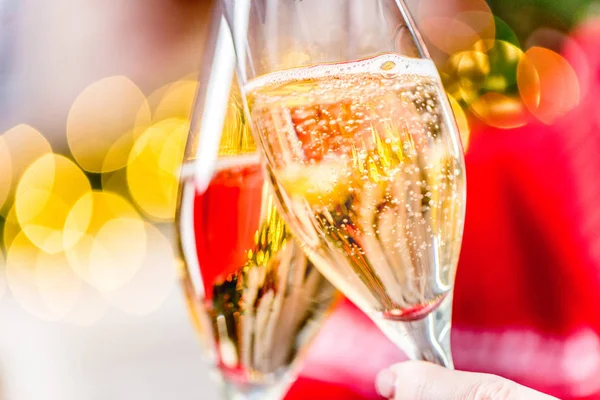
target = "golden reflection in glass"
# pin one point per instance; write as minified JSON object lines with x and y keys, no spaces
{"x":236,"y":138}
{"x":104,"y":122}
{"x":25,"y":145}
{"x":153,"y":171}
{"x":548,"y":84}
{"x":153,"y":282}
{"x":111,"y":247}
{"x":45,"y":195}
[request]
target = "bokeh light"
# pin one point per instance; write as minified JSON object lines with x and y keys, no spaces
{"x":110,"y":246}
{"x":578,"y":50}
{"x":504,"y":58}
{"x":469,"y":70}
{"x":21,"y":263}
{"x":6,"y":175}
{"x":45,"y":195}
{"x":461,"y":121}
{"x":484,"y":80}
{"x":104,"y":122}
{"x":547,"y":38}
{"x":499,"y":110}
{"x":548,"y":84}
{"x":2,"y":275}
{"x":153,"y":282}
{"x":11,"y":227}
{"x":153,"y":171}
{"x":454,"y":26}
{"x":177,"y":101}
{"x":505,"y":33}
{"x":23,"y":145}
{"x":116,"y":182}
{"x":46,"y":286}
{"x":58,"y":286}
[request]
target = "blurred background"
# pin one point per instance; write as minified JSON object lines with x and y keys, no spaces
{"x":95,"y":101}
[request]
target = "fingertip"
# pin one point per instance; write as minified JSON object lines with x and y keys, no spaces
{"x":385,"y":383}
{"x":417,"y":368}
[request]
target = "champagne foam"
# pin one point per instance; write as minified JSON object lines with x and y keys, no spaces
{"x":387,"y":64}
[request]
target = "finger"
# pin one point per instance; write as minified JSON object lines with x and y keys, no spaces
{"x":416,"y":380}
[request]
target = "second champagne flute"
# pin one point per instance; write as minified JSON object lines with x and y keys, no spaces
{"x":364,"y":153}
{"x":254,"y":297}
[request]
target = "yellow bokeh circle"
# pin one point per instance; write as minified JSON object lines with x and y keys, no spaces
{"x":177,"y":101}
{"x":58,"y":286}
{"x":19,"y":148}
{"x":111,"y":246}
{"x":153,"y":282}
{"x":45,"y":195}
{"x":116,"y":182}
{"x":153,"y":171}
{"x":21,"y":260}
{"x":104,"y":122}
{"x":45,"y":285}
{"x":11,"y":228}
{"x":6,"y":174}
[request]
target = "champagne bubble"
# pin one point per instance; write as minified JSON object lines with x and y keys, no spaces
{"x":388,"y":66}
{"x":405,"y":65}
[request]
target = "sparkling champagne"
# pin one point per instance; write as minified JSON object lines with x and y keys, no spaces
{"x":364,"y":160}
{"x":255,"y":298}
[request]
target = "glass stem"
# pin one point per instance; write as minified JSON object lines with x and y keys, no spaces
{"x":427,"y":339}
{"x":275,"y":391}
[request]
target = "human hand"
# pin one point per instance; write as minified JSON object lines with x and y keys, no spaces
{"x":417,"y":380}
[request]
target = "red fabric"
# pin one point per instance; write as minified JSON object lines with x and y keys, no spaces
{"x":527,"y":299}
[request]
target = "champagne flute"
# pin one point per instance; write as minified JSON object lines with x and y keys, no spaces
{"x":253,"y":295}
{"x":364,"y":154}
